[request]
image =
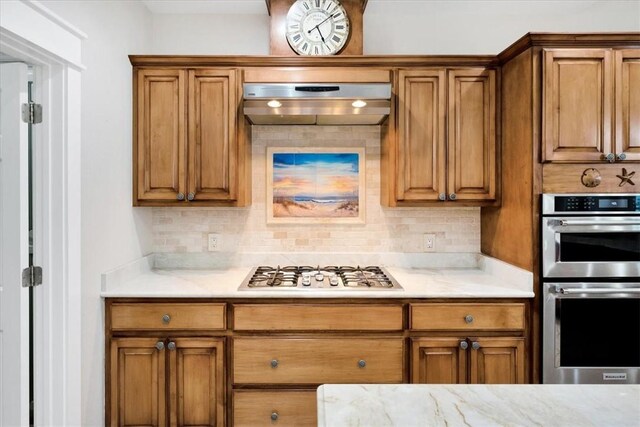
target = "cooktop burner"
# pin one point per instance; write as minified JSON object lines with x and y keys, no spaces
{"x":318,"y":278}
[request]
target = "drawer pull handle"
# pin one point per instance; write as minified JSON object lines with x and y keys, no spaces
{"x":171,"y":346}
{"x":166,"y":319}
{"x":274,"y":416}
{"x":468,"y":318}
{"x":475,"y":345}
{"x":464,"y":345}
{"x":274,"y":363}
{"x":160,"y":345}
{"x":362,"y":363}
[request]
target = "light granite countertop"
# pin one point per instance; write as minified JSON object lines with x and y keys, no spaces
{"x":479,"y":277}
{"x":408,"y":405}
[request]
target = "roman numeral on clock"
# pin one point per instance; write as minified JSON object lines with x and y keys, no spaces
{"x":336,"y":39}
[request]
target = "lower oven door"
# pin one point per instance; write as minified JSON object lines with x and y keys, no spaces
{"x":591,"y":333}
{"x":600,"y":247}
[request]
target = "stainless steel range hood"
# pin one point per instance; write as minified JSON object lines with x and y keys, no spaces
{"x":317,"y":104}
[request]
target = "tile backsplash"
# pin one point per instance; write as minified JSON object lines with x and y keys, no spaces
{"x":385,"y":230}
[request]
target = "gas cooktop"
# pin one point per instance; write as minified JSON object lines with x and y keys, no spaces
{"x":319,"y":278}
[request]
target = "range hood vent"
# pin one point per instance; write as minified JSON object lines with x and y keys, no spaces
{"x":317,"y":104}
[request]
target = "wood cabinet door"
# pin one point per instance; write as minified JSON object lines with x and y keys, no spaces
{"x":160,"y":135}
{"x":497,"y":361}
{"x":421,"y":135}
{"x":213,"y":150}
{"x":472,"y":135}
{"x":438,"y":361}
{"x":196,"y":382}
{"x":577,"y":105}
{"x":137,"y":383}
{"x":627,"y":70}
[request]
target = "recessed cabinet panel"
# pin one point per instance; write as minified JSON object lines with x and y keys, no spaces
{"x":577,"y":107}
{"x":137,"y":382}
{"x":160,"y":125}
{"x":627,"y":67}
{"x":197,"y":381}
{"x":212,"y":134}
{"x":438,"y":361}
{"x":497,"y":361}
{"x":472,"y":135}
{"x":421,"y":128}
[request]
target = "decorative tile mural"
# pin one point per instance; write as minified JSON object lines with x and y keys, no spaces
{"x":315,"y":185}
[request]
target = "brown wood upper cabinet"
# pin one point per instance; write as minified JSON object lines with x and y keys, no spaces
{"x":446,"y":148}
{"x":186,"y":143}
{"x":591,"y":105}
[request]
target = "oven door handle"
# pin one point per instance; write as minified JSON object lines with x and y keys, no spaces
{"x":568,"y":291}
{"x":568,"y":223}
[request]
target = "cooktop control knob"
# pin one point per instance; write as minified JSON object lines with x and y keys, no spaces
{"x":333,"y":280}
{"x":306,"y":280}
{"x":319,"y":277}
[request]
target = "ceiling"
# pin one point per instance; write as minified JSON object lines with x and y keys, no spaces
{"x":232,"y":7}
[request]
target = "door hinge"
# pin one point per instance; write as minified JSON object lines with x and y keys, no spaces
{"x":31,"y":276}
{"x":32,"y":113}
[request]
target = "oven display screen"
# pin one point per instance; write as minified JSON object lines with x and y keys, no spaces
{"x":613,"y":203}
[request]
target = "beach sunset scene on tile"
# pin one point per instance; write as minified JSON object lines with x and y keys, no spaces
{"x":316,"y":185}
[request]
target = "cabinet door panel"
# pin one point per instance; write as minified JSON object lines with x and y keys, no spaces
{"x":498,"y":361}
{"x":159,"y":167}
{"x":137,"y":383}
{"x":213,"y":153}
{"x":421,"y":130}
{"x":472,"y":134}
{"x":438,"y":361}
{"x":627,"y":66}
{"x":197,"y":391}
{"x":577,"y":104}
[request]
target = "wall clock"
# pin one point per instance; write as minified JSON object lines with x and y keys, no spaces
{"x":317,"y":27}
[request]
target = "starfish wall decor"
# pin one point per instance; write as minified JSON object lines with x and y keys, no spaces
{"x":626,"y":177}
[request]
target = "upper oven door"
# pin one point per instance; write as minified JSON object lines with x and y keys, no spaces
{"x":583,"y":247}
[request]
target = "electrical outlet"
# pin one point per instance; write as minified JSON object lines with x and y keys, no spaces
{"x":215,"y":241}
{"x":429,"y":242}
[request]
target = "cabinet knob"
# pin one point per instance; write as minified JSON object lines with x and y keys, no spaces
{"x":362,"y":363}
{"x":191,"y":196}
{"x":171,"y":345}
{"x":166,"y":319}
{"x":274,"y":363}
{"x":464,"y":345}
{"x":180,"y":196}
{"x":610,"y":158}
{"x":622,"y":156}
{"x":452,"y":196}
{"x":475,"y":345}
{"x":442,"y":197}
{"x":274,"y":416}
{"x":468,"y":318}
{"x":160,"y":345}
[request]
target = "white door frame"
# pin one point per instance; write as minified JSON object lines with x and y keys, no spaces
{"x":32,"y":33}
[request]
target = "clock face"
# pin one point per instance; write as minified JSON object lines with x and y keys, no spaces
{"x":317,"y":27}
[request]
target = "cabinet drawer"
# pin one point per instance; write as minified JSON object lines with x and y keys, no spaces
{"x":317,"y":360}
{"x":165,"y":316}
{"x":463,"y":317}
{"x":267,"y":317}
{"x":258,"y":408}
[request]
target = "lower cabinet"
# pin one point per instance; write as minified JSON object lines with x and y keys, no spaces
{"x":158,"y":382}
{"x":275,"y":407}
{"x":461,"y":360}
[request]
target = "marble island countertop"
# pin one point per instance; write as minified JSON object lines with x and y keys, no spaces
{"x":486,"y":278}
{"x":408,"y":405}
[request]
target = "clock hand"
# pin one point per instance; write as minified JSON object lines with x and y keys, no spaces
{"x":327,"y":18}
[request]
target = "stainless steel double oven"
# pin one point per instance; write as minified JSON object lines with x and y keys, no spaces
{"x":591,"y":288}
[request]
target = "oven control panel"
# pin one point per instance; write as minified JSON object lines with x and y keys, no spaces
{"x":601,"y":203}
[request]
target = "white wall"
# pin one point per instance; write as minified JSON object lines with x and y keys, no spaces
{"x":210,"y":34}
{"x":484,"y":27}
{"x":113,"y":232}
